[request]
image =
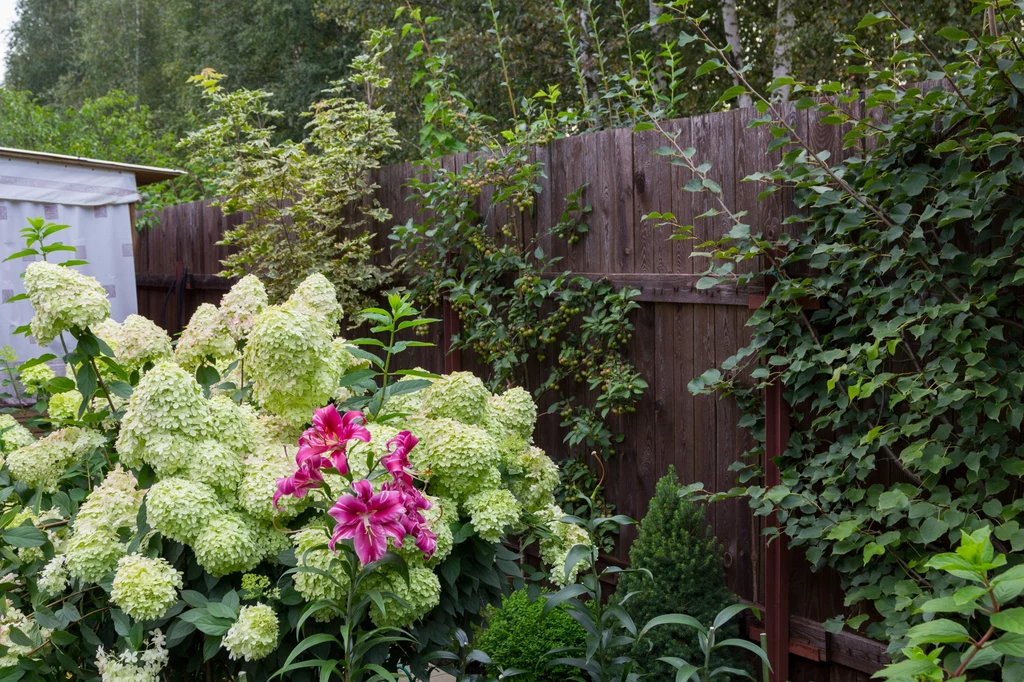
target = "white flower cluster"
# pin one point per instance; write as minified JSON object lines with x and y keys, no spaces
{"x":466,"y":437}
{"x":145,"y":588}
{"x":165,"y":422}
{"x":210,"y":504}
{"x":254,"y":634}
{"x":54,"y":577}
{"x":40,"y":464}
{"x":134,"y":666}
{"x":64,"y":300}
{"x":13,"y":435}
{"x":205,"y":335}
{"x":55,"y":532}
{"x":555,"y":550}
{"x":418,"y":596}
{"x":14,"y":619}
{"x":291,"y":360}
{"x":64,"y":407}
{"x":494,"y":512}
{"x":96,"y":546}
{"x":138,"y":341}
{"x":311,"y":551}
{"x":240,"y":306}
{"x":318,"y":294}
{"x":34,"y":377}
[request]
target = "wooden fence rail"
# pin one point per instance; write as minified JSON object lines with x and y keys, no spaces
{"x":680,"y":331}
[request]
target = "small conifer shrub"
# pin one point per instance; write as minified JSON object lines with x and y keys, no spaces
{"x":676,"y":544}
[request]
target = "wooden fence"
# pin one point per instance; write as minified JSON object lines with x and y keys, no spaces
{"x":680,"y":331}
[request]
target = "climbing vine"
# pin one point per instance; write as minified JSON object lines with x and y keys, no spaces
{"x":515,"y":305}
{"x":894,"y":324}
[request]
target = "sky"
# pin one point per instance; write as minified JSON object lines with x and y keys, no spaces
{"x":7,"y":15}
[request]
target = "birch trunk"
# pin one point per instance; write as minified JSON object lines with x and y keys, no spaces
{"x":783,"y":58}
{"x":731,"y":22}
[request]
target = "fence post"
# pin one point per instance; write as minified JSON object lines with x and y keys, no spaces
{"x":778,"y":559}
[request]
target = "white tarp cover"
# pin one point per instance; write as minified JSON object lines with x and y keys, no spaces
{"x":101,"y":233}
{"x":57,"y":183}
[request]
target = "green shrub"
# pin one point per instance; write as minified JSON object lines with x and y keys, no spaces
{"x":519,"y":636}
{"x":677,"y":546}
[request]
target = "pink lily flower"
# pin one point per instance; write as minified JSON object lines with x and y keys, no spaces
{"x":329,"y":436}
{"x":368,"y":520}
{"x":397,"y":461}
{"x":306,"y":478}
{"x":426,"y":542}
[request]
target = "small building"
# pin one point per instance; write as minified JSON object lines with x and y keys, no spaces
{"x":97,"y":200}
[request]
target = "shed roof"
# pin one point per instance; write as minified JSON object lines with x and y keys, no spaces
{"x":144,"y":175}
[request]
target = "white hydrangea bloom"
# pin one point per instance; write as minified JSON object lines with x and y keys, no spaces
{"x":34,"y":377}
{"x":63,"y":299}
{"x":205,"y":335}
{"x":492,"y":511}
{"x":95,"y":545}
{"x":318,"y":294}
{"x":215,"y":465}
{"x":255,"y":491}
{"x":113,"y":504}
{"x":512,"y":413}
{"x":93,"y":553}
{"x":15,"y":619}
{"x":460,"y":396}
{"x":406,"y":403}
{"x":145,"y":588}
{"x":311,"y":550}
{"x":109,"y":330}
{"x":420,"y":594}
{"x":40,"y":464}
{"x":272,"y":429}
{"x":269,"y":540}
{"x":534,"y":477}
{"x":54,"y":577}
{"x":140,"y":341}
{"x":180,"y":508}
{"x":64,"y":406}
{"x":229,"y":424}
{"x":133,"y":666}
{"x":462,"y":459}
{"x":439,"y":519}
{"x":166,"y":418}
{"x":240,"y":306}
{"x":13,"y":435}
{"x":226,"y":545}
{"x":555,"y":550}
{"x":254,"y":634}
{"x":55,"y":534}
{"x":291,"y":361}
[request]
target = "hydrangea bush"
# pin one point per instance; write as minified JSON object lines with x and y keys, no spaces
{"x":260,"y":496}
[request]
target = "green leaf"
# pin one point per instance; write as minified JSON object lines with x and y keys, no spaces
{"x":577,"y":554}
{"x":24,"y":536}
{"x":21,"y":254}
{"x":727,"y":614}
{"x":938,"y":631}
{"x":673,"y":619}
{"x":954,"y":34}
{"x":178,"y":631}
{"x":207,"y":623}
{"x":221,"y":610}
{"x":1010,"y":620}
{"x":194,"y":599}
{"x":872,"y":19}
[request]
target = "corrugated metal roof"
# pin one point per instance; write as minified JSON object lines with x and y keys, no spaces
{"x":144,"y":175}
